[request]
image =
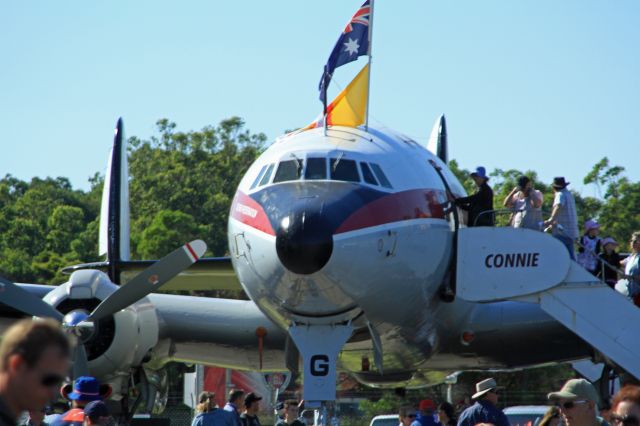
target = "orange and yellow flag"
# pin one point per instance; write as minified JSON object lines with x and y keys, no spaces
{"x":349,"y":108}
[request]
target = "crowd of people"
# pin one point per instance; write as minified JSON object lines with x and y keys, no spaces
{"x":597,"y":255}
{"x":577,"y":403}
{"x":242,"y":410}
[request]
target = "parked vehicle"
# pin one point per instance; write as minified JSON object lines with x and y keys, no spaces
{"x":525,"y":415}
{"x":385,"y":420}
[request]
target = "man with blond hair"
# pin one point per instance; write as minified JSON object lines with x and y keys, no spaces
{"x":34,"y":360}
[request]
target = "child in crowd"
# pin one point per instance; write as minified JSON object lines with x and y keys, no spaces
{"x":610,"y":262}
{"x":589,"y":247}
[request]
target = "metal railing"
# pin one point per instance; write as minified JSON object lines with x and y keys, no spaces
{"x":545,"y":213}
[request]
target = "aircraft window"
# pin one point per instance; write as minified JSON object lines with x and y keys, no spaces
{"x":255,"y":182}
{"x":316,"y":168}
{"x":381,"y":176}
{"x":342,"y":169}
{"x":288,"y":170}
{"x":367,"y":174}
{"x":267,"y":175}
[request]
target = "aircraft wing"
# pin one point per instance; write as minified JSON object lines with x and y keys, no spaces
{"x":209,"y":273}
{"x":221,"y":332}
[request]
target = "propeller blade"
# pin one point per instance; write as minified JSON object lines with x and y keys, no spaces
{"x":80,"y":361}
{"x":18,"y":298}
{"x":150,"y":279}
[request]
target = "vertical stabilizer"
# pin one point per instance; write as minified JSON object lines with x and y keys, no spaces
{"x":438,"y":140}
{"x":114,"y":214}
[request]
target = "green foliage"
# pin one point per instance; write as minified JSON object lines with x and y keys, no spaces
{"x":168,"y":231}
{"x":463,"y":176}
{"x":181,"y":188}
{"x":40,"y":224}
{"x":389,"y":403}
{"x":195,"y":173}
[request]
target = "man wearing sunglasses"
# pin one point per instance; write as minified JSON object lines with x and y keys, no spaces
{"x":578,"y":403}
{"x":485,"y":409}
{"x":34,"y":360}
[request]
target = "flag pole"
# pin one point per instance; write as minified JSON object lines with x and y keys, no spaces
{"x":366,"y":120}
{"x":324,"y":102}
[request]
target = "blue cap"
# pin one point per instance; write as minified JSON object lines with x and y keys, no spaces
{"x":480,"y":171}
{"x":96,"y":409}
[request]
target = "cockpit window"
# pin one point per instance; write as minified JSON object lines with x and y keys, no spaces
{"x":342,"y":169}
{"x":288,"y":170}
{"x":316,"y":168}
{"x":367,"y":174}
{"x":255,"y":182}
{"x":381,"y":176}
{"x":267,"y":175}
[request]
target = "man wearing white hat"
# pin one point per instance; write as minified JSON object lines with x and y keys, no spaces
{"x":485,"y":409}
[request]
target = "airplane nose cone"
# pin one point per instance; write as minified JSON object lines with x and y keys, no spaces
{"x":304,"y":241}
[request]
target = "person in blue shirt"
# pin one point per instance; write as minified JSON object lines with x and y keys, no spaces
{"x":215,"y":417}
{"x":426,"y":416}
{"x":234,"y":404}
{"x":485,"y":409}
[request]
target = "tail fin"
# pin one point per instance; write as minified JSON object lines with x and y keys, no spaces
{"x":438,"y":140}
{"x":114,"y":214}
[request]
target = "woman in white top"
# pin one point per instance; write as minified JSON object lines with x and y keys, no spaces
{"x":526,"y":204}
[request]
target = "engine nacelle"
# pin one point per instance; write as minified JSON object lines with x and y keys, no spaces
{"x":118,"y":342}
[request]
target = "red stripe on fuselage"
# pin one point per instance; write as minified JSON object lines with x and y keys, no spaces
{"x":405,"y":205}
{"x":244,"y":209}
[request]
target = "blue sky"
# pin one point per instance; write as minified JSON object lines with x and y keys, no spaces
{"x":546,"y":85}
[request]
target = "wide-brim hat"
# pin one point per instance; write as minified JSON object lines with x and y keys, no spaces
{"x":608,"y":240}
{"x":480,"y":172}
{"x":575,"y":389}
{"x":484,"y":387}
{"x":86,"y":388}
{"x":559,"y":182}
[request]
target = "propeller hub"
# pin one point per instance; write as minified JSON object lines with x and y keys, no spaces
{"x":76,"y":322}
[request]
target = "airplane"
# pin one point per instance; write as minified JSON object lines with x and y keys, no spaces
{"x":344,"y":242}
{"x":349,"y":246}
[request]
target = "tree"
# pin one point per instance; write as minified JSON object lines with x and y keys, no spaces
{"x":64,"y":224}
{"x":168,"y":231}
{"x":195,"y":173}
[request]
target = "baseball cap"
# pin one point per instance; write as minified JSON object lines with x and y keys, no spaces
{"x":575,"y":389}
{"x":427,"y":404}
{"x":96,"y":409}
{"x":251,"y":398}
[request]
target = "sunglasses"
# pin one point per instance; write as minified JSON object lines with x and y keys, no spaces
{"x":51,"y":380}
{"x":412,"y":416}
{"x":570,"y":404}
{"x":628,"y":420}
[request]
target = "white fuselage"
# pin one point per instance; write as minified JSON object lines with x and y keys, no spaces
{"x":324,"y":241}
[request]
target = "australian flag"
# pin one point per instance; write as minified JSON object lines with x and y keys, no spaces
{"x":353,"y":43}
